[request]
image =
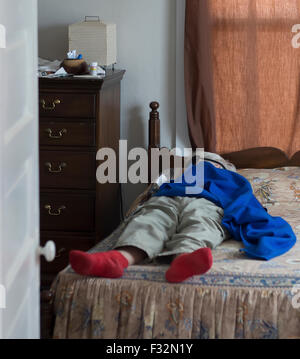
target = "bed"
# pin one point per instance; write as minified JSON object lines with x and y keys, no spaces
{"x":238,"y":298}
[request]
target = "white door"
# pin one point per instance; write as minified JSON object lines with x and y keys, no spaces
{"x":19,"y":197}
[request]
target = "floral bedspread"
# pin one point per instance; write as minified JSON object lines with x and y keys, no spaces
{"x":238,"y":298}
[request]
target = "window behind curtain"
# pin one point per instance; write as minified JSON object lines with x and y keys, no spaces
{"x":254,"y":73}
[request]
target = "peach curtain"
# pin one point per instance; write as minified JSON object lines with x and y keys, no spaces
{"x":242,"y":74}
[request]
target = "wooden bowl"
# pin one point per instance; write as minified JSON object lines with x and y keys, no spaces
{"x":75,"y":66}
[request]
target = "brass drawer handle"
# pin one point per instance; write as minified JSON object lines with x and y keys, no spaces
{"x":60,"y":135}
{"x":59,"y":170}
{"x":57,"y":213}
{"x":52,"y":106}
{"x":60,"y":252}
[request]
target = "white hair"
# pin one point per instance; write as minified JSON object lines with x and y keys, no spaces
{"x":215,"y":157}
{"x":209,"y":156}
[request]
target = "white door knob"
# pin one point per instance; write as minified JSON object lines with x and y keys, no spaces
{"x":49,"y":251}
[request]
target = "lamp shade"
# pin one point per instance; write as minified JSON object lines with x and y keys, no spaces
{"x":95,"y":40}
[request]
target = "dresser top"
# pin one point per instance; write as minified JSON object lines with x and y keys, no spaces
{"x":75,"y":81}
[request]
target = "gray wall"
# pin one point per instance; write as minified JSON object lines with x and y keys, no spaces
{"x":146,"y":36}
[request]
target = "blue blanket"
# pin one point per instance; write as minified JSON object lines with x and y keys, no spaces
{"x":263,"y":236}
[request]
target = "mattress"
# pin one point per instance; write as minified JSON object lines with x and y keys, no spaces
{"x":238,"y":298}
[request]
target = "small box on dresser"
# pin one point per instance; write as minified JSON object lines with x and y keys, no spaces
{"x":78,"y":116}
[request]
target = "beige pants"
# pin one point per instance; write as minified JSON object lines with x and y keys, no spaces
{"x":165,"y":226}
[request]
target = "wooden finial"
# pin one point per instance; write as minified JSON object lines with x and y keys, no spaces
{"x":154,"y":114}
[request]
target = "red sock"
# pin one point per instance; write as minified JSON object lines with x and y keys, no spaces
{"x":187,"y":265}
{"x":105,"y":264}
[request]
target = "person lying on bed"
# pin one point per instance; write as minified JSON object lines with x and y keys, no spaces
{"x":188,"y":227}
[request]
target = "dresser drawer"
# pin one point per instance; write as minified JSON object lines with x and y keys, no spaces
{"x":67,"y":105}
{"x":67,"y":212}
{"x":64,"y":169}
{"x":67,"y":134}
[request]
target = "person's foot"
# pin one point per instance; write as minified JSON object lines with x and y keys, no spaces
{"x":190,"y":264}
{"x":105,"y":264}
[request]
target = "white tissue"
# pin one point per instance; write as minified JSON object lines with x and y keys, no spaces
{"x":72,"y":54}
{"x":100,"y":71}
{"x":61,"y":71}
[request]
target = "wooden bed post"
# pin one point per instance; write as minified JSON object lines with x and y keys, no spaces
{"x":154,"y":126}
{"x":154,"y":133}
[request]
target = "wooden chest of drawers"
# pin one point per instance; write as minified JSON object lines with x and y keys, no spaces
{"x":77,"y":117}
